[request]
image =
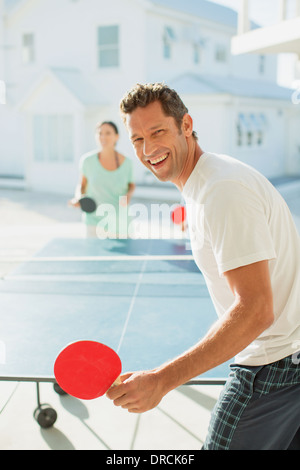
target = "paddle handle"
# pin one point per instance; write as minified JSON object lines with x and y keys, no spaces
{"x":118,"y":381}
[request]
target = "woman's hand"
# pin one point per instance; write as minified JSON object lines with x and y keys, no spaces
{"x":74,"y":202}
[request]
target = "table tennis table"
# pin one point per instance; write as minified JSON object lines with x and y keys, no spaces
{"x":146,"y":299}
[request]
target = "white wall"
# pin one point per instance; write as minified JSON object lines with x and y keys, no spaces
{"x":50,"y":98}
{"x":182,"y":60}
{"x":215,"y":123}
{"x":69,"y":40}
{"x":2,"y":41}
{"x":292,"y":140}
{"x":268,"y":158}
{"x":66,"y":36}
{"x":210,"y":121}
{"x":12,"y":135}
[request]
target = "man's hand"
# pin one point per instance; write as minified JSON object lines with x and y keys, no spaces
{"x":139,"y":392}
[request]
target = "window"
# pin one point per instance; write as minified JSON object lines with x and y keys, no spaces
{"x":53,"y":138}
{"x":28,"y":55}
{"x":250,"y":130}
{"x":108,"y":46}
{"x":239,"y":134}
{"x":221,"y":53}
{"x":244,"y":131}
{"x":262,"y":64}
{"x":197,"y":49}
{"x":259,"y":125}
{"x":198,"y":43}
{"x":168,"y":39}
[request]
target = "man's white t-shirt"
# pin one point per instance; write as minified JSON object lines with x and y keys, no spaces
{"x":236,"y":217}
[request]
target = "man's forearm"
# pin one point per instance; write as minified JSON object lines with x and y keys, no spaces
{"x":250,"y":315}
{"x":227,"y":337}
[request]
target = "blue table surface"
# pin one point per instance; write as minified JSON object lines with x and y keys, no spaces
{"x":149,"y":310}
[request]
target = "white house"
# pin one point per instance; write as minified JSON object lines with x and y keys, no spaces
{"x":67,"y":63}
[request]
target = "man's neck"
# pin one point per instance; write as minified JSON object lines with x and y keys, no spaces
{"x":195,"y":153}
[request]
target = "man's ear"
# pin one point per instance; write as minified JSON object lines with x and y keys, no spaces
{"x":187,"y":125}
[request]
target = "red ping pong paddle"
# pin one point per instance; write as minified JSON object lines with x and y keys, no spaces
{"x":179,"y":215}
{"x":87,"y":369}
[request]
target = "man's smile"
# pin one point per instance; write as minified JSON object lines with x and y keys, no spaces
{"x":157,"y":160}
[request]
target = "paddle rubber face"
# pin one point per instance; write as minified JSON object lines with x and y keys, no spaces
{"x":87,"y":204}
{"x":178,"y":215}
{"x":87,"y":369}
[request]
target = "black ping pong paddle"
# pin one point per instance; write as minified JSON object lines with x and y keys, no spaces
{"x":87,"y":204}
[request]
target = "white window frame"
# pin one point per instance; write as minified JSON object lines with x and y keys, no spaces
{"x":251,"y":130}
{"x":28,"y":48}
{"x":53,"y":138}
{"x":105,"y":47}
{"x":221,"y":53}
{"x":169,"y":38}
{"x":197,"y":53}
{"x":262,"y":65}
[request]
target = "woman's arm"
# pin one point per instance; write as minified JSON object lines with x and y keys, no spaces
{"x":79,"y":192}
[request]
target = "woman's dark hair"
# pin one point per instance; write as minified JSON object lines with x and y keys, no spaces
{"x":110,"y":123}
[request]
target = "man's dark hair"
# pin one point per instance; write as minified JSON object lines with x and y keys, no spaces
{"x":142,"y":95}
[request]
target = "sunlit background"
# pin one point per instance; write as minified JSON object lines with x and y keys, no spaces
{"x":64,"y":67}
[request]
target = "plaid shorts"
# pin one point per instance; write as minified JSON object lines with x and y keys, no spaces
{"x":258,"y":409}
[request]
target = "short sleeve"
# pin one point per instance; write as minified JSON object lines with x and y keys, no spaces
{"x":236,"y":220}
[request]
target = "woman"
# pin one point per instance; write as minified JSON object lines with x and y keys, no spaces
{"x":106,"y":177}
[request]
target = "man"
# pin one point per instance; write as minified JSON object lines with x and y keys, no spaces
{"x":249,"y":255}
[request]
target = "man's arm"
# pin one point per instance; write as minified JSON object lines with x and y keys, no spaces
{"x":250,"y":314}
